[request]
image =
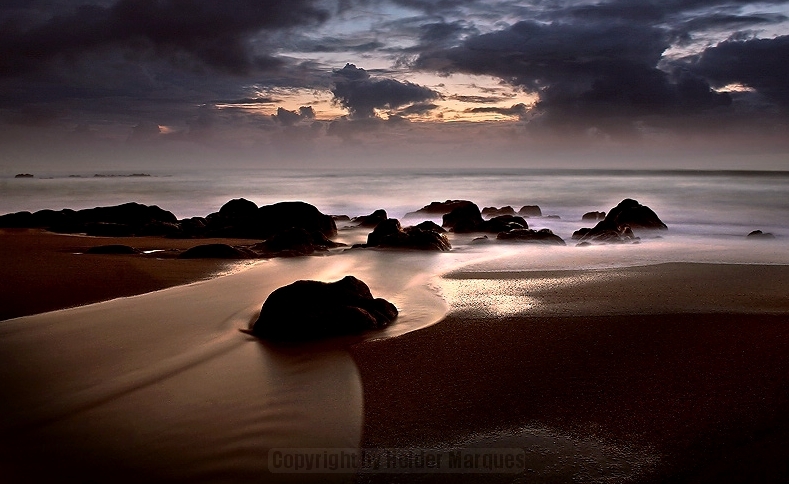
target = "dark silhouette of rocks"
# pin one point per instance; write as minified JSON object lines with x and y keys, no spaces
{"x":294,"y":242}
{"x":127,"y":219}
{"x":341,"y":218}
{"x":494,"y":212}
{"x":429,"y":225}
{"x":24,"y":175}
{"x":216,"y":251}
{"x":464,"y":218}
{"x":542,"y":236}
{"x":439,"y":208}
{"x":238,"y":219}
{"x":759,"y":235}
{"x":593,"y":216}
{"x":503,"y":223}
{"x":112,"y":249}
{"x":468,"y":218}
{"x":389,"y":234}
{"x":308,"y":310}
{"x":370,"y":220}
{"x":530,"y":211}
{"x":618,"y":225}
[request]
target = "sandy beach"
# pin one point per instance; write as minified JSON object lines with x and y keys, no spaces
{"x":670,"y":371}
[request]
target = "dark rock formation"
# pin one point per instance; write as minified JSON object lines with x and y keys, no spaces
{"x":112,"y":249}
{"x":370,"y":220}
{"x":237,"y":219}
{"x":530,"y":211}
{"x":439,"y":208}
{"x":618,"y":224}
{"x":341,"y":218}
{"x":502,"y":223}
{"x":389,"y":234}
{"x":307,"y":310}
{"x":24,"y":175}
{"x":593,"y":216}
{"x":464,"y":218}
{"x":126,"y":219}
{"x":216,"y":251}
{"x":428,"y":225}
{"x":238,"y":208}
{"x":294,"y":242}
{"x":759,"y":235}
{"x":494,"y":212}
{"x":542,"y":236}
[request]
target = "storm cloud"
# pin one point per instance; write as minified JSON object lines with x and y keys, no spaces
{"x":355,"y":90}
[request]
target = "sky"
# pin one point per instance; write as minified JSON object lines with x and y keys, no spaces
{"x":376,"y":84}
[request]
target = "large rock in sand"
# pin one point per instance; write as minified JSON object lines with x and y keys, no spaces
{"x":307,"y":310}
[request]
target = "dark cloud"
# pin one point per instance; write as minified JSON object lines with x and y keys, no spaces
{"x":417,"y":109}
{"x":434,"y":6}
{"x":289,"y":118}
{"x":479,"y":99}
{"x":250,"y":100}
{"x":762,"y":64}
{"x":581,"y":70}
{"x":214,"y":34}
{"x":519,"y":110}
{"x":361,"y":94}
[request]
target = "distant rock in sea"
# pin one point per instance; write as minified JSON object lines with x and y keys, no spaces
{"x":593,"y":216}
{"x":618,"y":225}
{"x":530,"y":211}
{"x":24,"y":175}
{"x":439,"y":208}
{"x":309,"y":310}
{"x":759,"y":235}
{"x":494,"y":212}
{"x":468,"y":218}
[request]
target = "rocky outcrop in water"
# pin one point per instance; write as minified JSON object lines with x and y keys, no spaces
{"x":759,"y":235}
{"x":495,"y":212}
{"x":238,"y":219}
{"x":370,"y":220}
{"x":294,"y":242}
{"x":468,"y":218}
{"x":593,"y":216}
{"x":439,"y":208}
{"x":530,"y":211}
{"x":542,"y":236}
{"x":389,"y":234}
{"x":308,"y":310}
{"x":618,"y":225}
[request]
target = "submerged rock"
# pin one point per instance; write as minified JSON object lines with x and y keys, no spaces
{"x":307,"y":310}
{"x":495,"y":212}
{"x":593,"y":216}
{"x":294,"y":242}
{"x":371,"y":220}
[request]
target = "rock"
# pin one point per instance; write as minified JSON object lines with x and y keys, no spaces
{"x":294,"y":242}
{"x":502,"y":223}
{"x":216,"y":251}
{"x":530,"y":211}
{"x":494,"y":212}
{"x":241,"y":222}
{"x":24,"y":175}
{"x":341,"y":218}
{"x":465,"y":218}
{"x":370,"y":220}
{"x":389,"y":234}
{"x":429,"y":225}
{"x":759,"y":235}
{"x":542,"y":236}
{"x":593,"y":216}
{"x":618,"y":225}
{"x":112,"y":249}
{"x":439,"y":208}
{"x":307,"y":310}
{"x":238,"y":208}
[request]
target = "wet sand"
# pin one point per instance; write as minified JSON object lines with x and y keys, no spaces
{"x":44,"y":271}
{"x":668,"y":372}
